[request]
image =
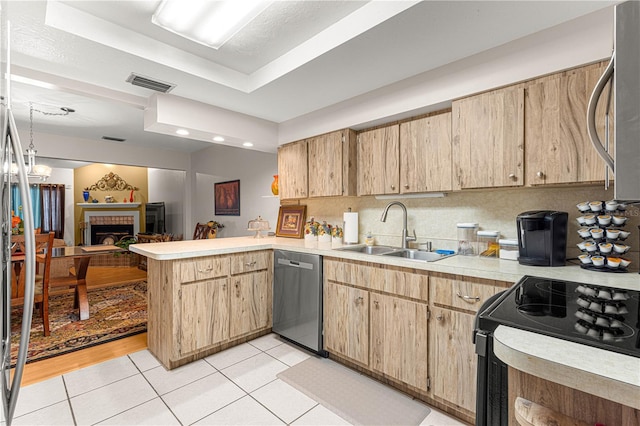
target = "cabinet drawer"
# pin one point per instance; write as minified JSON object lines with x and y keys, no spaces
{"x":203,"y":268}
{"x":462,"y":292}
{"x":251,"y":261}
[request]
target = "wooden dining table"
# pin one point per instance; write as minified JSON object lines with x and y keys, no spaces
{"x":78,"y":277}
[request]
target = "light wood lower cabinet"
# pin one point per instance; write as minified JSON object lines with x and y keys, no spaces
{"x":204,"y":314}
{"x":454,"y":375}
{"x":346,"y":322}
{"x":200,"y":306}
{"x":454,"y":302}
{"x":250,"y":303}
{"x":375,"y":316}
{"x":399,"y":339}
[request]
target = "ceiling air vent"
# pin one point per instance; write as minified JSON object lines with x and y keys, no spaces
{"x":149,"y":83}
{"x":113,"y":139}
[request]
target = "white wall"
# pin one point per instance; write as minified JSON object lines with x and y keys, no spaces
{"x":168,"y":186}
{"x":584,"y":40}
{"x":255,"y":171}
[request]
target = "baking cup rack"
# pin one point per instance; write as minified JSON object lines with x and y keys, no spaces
{"x":603,"y":236}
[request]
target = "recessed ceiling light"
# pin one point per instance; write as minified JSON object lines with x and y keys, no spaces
{"x":182,"y":132}
{"x":247,"y":144}
{"x":218,"y":139}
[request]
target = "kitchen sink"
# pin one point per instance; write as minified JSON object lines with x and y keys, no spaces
{"x":425,"y":256}
{"x":376,"y":250}
{"x":410,"y":254}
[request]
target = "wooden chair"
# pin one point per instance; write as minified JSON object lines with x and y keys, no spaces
{"x":150,"y":238}
{"x":203,"y":232}
{"x":43,"y":249}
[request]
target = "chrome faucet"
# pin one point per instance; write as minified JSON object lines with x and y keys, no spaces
{"x":405,"y":237}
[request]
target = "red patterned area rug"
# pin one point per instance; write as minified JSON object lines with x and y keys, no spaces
{"x":114,"y":313}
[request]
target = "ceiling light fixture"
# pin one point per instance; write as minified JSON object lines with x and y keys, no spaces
{"x":39,"y":171}
{"x":247,"y":144}
{"x":211,"y":23}
{"x":218,"y":138}
{"x":182,"y":132}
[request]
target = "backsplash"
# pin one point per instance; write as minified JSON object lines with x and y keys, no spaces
{"x":435,"y":219}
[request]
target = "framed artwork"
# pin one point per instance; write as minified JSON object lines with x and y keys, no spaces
{"x":291,"y":221}
{"x":227,"y":198}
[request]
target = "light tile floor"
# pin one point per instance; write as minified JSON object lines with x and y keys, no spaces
{"x":235,"y":387}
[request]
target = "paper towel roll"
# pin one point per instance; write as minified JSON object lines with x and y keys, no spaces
{"x":350,"y":227}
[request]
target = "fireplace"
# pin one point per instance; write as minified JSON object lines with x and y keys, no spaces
{"x":109,"y":234}
{"x":109,"y":225}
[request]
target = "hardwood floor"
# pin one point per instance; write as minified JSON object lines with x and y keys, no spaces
{"x":48,"y":368}
{"x":97,"y":277}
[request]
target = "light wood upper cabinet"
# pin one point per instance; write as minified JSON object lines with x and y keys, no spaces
{"x":558,"y":149}
{"x":488,"y":139}
{"x":292,"y":171}
{"x":378,"y":161}
{"x":425,"y":154}
{"x":204,"y":314}
{"x":332,"y":164}
{"x":346,"y":325}
{"x":399,"y":339}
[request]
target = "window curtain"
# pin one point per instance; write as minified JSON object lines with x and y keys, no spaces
{"x":52,"y":211}
{"x":36,"y":203}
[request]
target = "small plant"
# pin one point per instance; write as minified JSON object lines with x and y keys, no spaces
{"x":215,"y":225}
{"x":124,"y":244}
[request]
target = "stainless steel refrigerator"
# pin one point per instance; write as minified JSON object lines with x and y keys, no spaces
{"x":13,"y":170}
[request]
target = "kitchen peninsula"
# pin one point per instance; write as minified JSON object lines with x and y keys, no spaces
{"x":235,"y":276}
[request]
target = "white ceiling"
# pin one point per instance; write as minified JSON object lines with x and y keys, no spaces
{"x":295,"y":58}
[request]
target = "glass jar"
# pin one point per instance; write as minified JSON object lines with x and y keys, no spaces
{"x":467,"y":239}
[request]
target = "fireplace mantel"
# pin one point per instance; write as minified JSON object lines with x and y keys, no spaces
{"x":110,"y":206}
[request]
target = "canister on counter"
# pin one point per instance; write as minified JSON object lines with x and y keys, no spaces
{"x":467,"y":239}
{"x":488,"y":243}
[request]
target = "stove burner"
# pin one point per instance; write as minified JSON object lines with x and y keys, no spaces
{"x":604,"y":317}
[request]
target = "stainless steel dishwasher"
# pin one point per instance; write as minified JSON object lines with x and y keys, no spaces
{"x":297,"y":298}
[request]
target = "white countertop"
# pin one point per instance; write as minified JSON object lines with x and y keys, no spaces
{"x":472,"y":266}
{"x":606,"y":374}
{"x":609,"y":375}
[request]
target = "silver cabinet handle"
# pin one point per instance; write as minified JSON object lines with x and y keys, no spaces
{"x":513,"y":177}
{"x":540,"y":175}
{"x":250,"y":264}
{"x":406,"y":186}
{"x":207,"y":269}
{"x":439,"y":317}
{"x":468,"y":299}
{"x":393,"y":187}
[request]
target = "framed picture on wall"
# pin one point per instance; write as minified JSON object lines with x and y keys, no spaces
{"x":227,"y":198}
{"x":291,"y":221}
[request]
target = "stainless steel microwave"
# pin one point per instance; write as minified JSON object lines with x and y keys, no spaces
{"x":624,"y":70}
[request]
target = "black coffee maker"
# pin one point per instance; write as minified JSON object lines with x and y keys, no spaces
{"x":542,"y":238}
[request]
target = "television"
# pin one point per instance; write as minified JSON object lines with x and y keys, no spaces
{"x":154,"y":218}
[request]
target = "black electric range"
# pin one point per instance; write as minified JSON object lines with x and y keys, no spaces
{"x":604,"y":317}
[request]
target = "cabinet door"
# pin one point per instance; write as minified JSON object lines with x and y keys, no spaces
{"x":454,"y":364}
{"x":425,"y":154}
{"x":346,"y":322}
{"x":204,"y":314}
{"x":292,"y":170}
{"x":399,"y":339}
{"x":488,"y":139}
{"x":558,"y":147}
{"x":325,"y":165}
{"x":250,"y":303}
{"x":378,"y":165}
